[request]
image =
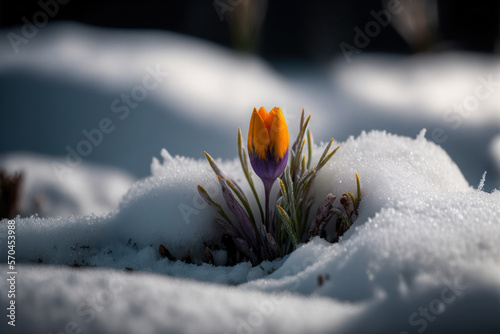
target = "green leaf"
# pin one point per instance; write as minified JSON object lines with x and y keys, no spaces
{"x":246,"y":170}
{"x":241,"y":196}
{"x":287,"y":223}
{"x":328,"y":157}
{"x":302,"y":130}
{"x":203,"y":193}
{"x":249,"y":232}
{"x":214,"y":166}
{"x":309,"y":148}
{"x":305,"y":177}
{"x":325,"y":152}
{"x":291,"y":197}
{"x":303,"y":168}
{"x":306,"y":123}
{"x":283,"y":191}
{"x":241,"y":152}
{"x":358,"y":185}
{"x":298,"y":154}
{"x":353,"y":199}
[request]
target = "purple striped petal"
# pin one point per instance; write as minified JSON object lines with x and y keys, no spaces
{"x":268,"y":169}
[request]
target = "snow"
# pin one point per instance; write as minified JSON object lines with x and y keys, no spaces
{"x":86,"y":69}
{"x":426,"y":239}
{"x":430,"y":83}
{"x":422,"y":229}
{"x":495,"y":152}
{"x":481,"y":183}
{"x":155,"y":305}
{"x":89,"y":189}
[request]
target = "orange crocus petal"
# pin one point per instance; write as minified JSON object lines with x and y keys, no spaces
{"x":269,"y":119}
{"x":262,"y":112}
{"x":279,"y":134}
{"x":258,"y":135}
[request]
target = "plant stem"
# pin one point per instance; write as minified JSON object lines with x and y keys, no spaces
{"x":267,"y":187}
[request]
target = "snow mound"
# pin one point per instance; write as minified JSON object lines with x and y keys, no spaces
{"x":167,"y":209}
{"x":418,"y":215}
{"x":391,"y":169}
{"x":430,"y":83}
{"x":91,"y":189}
{"x":423,"y":255}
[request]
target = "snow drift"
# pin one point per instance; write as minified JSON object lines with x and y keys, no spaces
{"x":423,"y":255}
{"x":88,"y":189}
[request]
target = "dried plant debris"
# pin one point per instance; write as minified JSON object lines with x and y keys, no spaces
{"x":165,"y":253}
{"x":346,"y":213}
{"x":81,"y":264}
{"x":322,"y":279}
{"x":10,"y":193}
{"x":209,"y":258}
{"x":187,"y":258}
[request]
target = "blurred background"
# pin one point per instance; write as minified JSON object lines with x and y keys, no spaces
{"x":91,"y":92}
{"x":289,"y":29}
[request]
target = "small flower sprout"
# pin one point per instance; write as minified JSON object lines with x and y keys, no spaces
{"x":277,"y":232}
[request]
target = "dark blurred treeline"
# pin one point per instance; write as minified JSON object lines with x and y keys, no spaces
{"x":311,"y":29}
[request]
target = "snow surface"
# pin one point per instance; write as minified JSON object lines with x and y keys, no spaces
{"x":85,"y":69}
{"x":88,"y":189}
{"x":424,"y":239}
{"x":404,"y":85}
{"x":495,"y":151}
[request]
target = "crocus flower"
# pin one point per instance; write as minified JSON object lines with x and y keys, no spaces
{"x":268,"y":147}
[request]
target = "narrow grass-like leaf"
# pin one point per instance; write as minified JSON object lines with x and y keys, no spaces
{"x":241,"y":153}
{"x":302,"y":130}
{"x":244,"y":164}
{"x":306,"y":123}
{"x":246,"y":226}
{"x":228,"y":228}
{"x":346,"y":221}
{"x":238,"y":188}
{"x":280,"y":200}
{"x":203,"y":193}
{"x":283,"y":191}
{"x":303,"y":168}
{"x":306,"y":216}
{"x":241,"y":196}
{"x":328,"y":157}
{"x":214,"y":166}
{"x":325,"y":152}
{"x":298,"y":155}
{"x":301,"y":125}
{"x":309,"y":148}
{"x":291,"y":197}
{"x":305,"y":177}
{"x":287,"y":223}
{"x":358,"y":186}
{"x":233,"y":185}
{"x":353,"y":199}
